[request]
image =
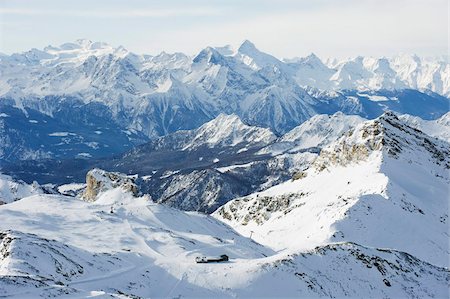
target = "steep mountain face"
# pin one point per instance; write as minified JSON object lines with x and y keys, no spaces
{"x":143,"y":249}
{"x":86,"y":87}
{"x":382,"y":184}
{"x":218,"y":140}
{"x":203,"y":169}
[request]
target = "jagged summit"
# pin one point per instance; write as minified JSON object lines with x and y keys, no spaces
{"x":223,"y":131}
{"x":247,"y":47}
{"x":312,"y":58}
{"x":229,"y":130}
{"x":145,"y":97}
{"x":387,"y":134}
{"x":255,"y":58}
{"x":209,"y":55}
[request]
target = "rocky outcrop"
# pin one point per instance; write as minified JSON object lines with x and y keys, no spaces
{"x":386,"y":134}
{"x":259,"y":208}
{"x":98,"y":180}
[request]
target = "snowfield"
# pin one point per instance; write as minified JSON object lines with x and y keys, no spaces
{"x":64,"y":247}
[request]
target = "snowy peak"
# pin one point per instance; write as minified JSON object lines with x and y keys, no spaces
{"x":254,"y":58}
{"x":224,"y":136}
{"x":79,"y":51}
{"x":229,"y":130}
{"x":209,"y":55}
{"x":387,"y":134}
{"x":248,"y":48}
{"x":311,"y":60}
{"x":84,"y":44}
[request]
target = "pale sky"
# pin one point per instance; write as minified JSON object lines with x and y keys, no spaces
{"x":283,"y":28}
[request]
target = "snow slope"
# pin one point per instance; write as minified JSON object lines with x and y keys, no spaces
{"x":383,"y":184}
{"x":60,"y":246}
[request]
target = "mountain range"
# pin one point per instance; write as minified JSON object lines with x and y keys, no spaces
{"x":70,"y":101}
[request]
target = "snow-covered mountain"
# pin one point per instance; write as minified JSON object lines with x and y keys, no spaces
{"x":372,"y":205}
{"x":223,"y":131}
{"x":143,"y":96}
{"x":382,"y":184}
{"x":374,"y":73}
{"x":97,"y":65}
{"x":123,"y":246}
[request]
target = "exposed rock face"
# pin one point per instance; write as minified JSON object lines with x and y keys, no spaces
{"x":98,"y":180}
{"x":387,"y":134}
{"x":259,"y":208}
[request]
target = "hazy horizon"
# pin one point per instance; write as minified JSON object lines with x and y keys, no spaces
{"x":285,"y":29}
